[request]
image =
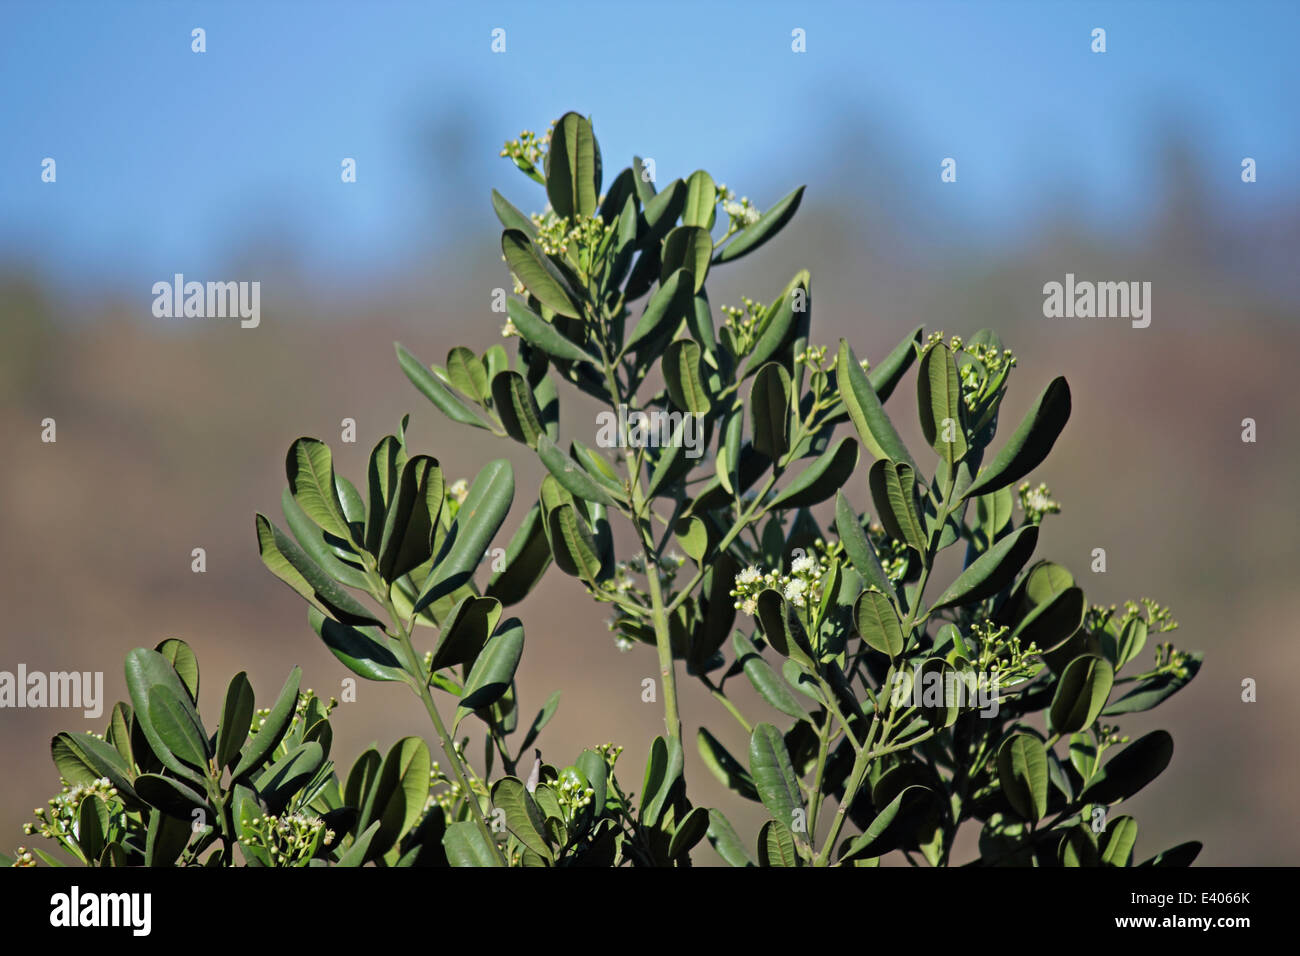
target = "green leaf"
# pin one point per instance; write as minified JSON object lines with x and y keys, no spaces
{"x":1180,"y":856}
{"x":83,"y":758}
{"x":938,"y":398}
{"x":573,"y":545}
{"x":92,"y":824}
{"x":523,"y":818}
{"x":526,"y":560}
{"x":782,"y":628}
{"x":573,"y":170}
{"x":367,"y":652}
{"x":513,"y":400}
{"x":236,"y":719}
{"x":1031,"y":442}
{"x":480,"y":517}
{"x":1117,"y":844}
{"x":724,"y":766}
{"x":1022,"y":772}
{"x":1131,"y":769}
{"x":310,"y":467}
{"x":466,"y":846}
{"x":146,"y":670}
{"x":682,"y":376}
{"x":821,"y":479}
{"x":543,"y":335}
{"x":693,"y":536}
{"x":169,"y":795}
{"x":432,"y":389}
{"x":878,"y":623}
{"x":701,"y":200}
{"x":893,"y":489}
{"x":538,"y":274}
{"x":383,"y":472}
{"x":184,"y":663}
{"x":770,"y":686}
{"x":467,"y":373}
{"x":511,"y":217}
{"x":858,"y":546}
{"x":991,"y":571}
{"x":689,"y":832}
{"x":177,"y":725}
{"x":767,"y":226}
{"x":870,"y":842}
{"x":318,"y":546}
{"x":724,"y":839}
{"x":286,"y":776}
{"x":399,"y":795}
{"x":1077,"y":847}
{"x":769,"y":403}
{"x":665,"y":310}
{"x":290,"y":564}
{"x":776,"y":845}
{"x":355,"y":855}
{"x":687,"y":247}
{"x":865,"y":411}
{"x":1154,"y":690}
{"x":493,"y":671}
{"x":465,"y":631}
{"x":407,"y":538}
{"x":272,"y":729}
{"x":1132,"y":638}
{"x":1081,"y":693}
{"x":570,"y":474}
{"x":773,"y":773}
{"x":663,"y":770}
{"x":779,"y":324}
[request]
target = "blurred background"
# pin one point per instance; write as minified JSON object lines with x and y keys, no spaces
{"x":225,"y":165}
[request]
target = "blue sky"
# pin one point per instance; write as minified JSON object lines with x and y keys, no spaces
{"x":174,"y":161}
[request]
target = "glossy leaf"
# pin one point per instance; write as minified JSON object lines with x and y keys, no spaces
{"x":938,"y":397}
{"x":878,"y":623}
{"x":865,"y":411}
{"x":1029,"y":446}
{"x":773,"y":774}
{"x":538,"y":274}
{"x":993,"y":570}
{"x":493,"y":671}
{"x":821,"y":479}
{"x":1081,"y":693}
{"x":768,"y":225}
{"x":1022,"y":773}
{"x":432,"y":389}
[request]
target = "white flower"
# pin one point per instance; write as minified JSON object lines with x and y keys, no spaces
{"x":801,"y":565}
{"x":750,"y":575}
{"x":794,"y":592}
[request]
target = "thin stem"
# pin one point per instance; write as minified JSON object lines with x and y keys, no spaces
{"x":421,"y":687}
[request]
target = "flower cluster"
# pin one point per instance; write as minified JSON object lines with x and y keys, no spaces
{"x":741,"y":213}
{"x":1037,"y":503}
{"x":1158,"y":617}
{"x":801,"y":587}
{"x":291,"y":840}
{"x":61,"y":819}
{"x":742,"y":324}
{"x":556,"y":235}
{"x":526,"y":151}
{"x":1002,"y":655}
{"x":624,"y":586}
